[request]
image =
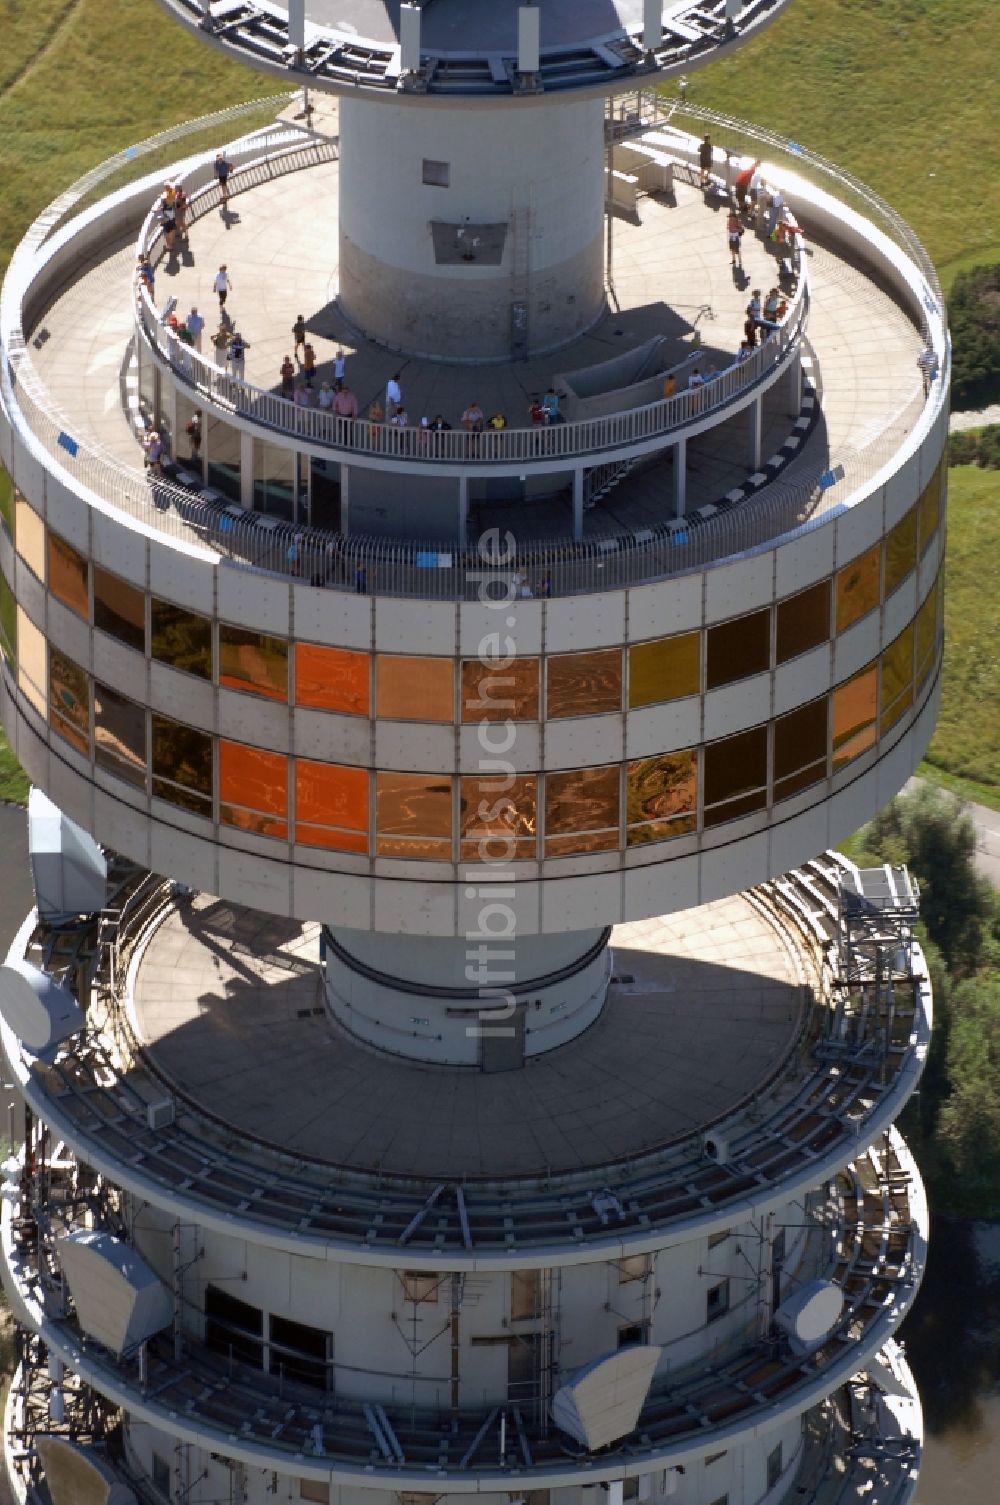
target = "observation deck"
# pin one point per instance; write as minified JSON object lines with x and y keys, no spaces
{"x":469,"y":51}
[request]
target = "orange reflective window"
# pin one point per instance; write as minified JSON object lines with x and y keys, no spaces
{"x":661,"y":794}
{"x":803,"y":622}
{"x":500,"y":691}
{"x":253,"y":777}
{"x":582,"y":810}
{"x":68,"y":576}
{"x":853,"y":720}
{"x":331,"y":795}
{"x":498,"y":818}
{"x":666,"y":669}
{"x":584,"y":684}
{"x":413,"y":816}
{"x":738,"y":649}
{"x":415,"y":689}
{"x":253,"y":661}
{"x":900,"y":551}
{"x":858,"y":588}
{"x":332,"y":679}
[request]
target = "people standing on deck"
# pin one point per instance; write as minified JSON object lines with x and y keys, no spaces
{"x":705,"y":161}
{"x":222,"y":169}
{"x":734,"y":232}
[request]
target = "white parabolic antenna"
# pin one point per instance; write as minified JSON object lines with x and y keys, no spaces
{"x":603,"y":1400}
{"x":811,"y":1313}
{"x":40,"y":1011}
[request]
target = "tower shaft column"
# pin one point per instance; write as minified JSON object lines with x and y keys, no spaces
{"x":476,"y":235}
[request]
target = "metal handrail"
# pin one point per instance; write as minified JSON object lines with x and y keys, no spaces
{"x":514,"y":445}
{"x":439,"y":570}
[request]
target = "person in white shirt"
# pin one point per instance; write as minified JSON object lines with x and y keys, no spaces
{"x":339,"y":368}
{"x":222,"y":285}
{"x":326,"y":395}
{"x":393,"y":396}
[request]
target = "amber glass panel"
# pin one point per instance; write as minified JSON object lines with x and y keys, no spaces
{"x":498,"y":818}
{"x":735,"y":765}
{"x":803,"y":621}
{"x":69,"y":700}
{"x":897,"y":668}
{"x":584,"y":684}
{"x":901,"y":551}
{"x":500,"y":691}
{"x":182,"y":764}
{"x":667,"y":669}
{"x":661,"y":796}
{"x":854,"y":710}
{"x":29,"y":536}
{"x":800,"y":738}
{"x":331,"y":806}
{"x":182,"y":638}
{"x":929,"y":505}
{"x":858,"y":588}
{"x":120,"y":735}
{"x":253,"y":661}
{"x":415,"y":689}
{"x":738,"y":648}
{"x":8,"y":619}
{"x":413,"y":815}
{"x":119,"y":609}
{"x":801,"y":779}
{"x":68,"y":576}
{"x":254,"y":779}
{"x":7,"y":501}
{"x":32,"y":662}
{"x":927,"y":630}
{"x":581,"y":801}
{"x":332,"y":679}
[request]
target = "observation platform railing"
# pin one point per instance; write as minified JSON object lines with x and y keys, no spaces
{"x":440,"y":570}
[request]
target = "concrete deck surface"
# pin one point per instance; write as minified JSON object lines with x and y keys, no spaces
{"x":671,"y":274}
{"x":231,"y":1005}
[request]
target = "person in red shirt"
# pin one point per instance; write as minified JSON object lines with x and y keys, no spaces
{"x":742,"y":184}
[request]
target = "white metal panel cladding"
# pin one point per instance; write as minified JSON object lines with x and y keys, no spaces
{"x":603,"y":1400}
{"x":119,"y":1300}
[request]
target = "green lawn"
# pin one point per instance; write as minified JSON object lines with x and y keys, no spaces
{"x":967,"y":740}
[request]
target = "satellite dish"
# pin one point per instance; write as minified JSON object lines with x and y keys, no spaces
{"x":810,"y":1314}
{"x":68,"y":869}
{"x":602,"y":1402}
{"x":77,"y":1475}
{"x":38,"y":1010}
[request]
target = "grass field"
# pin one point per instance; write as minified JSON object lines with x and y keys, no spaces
{"x":967,"y":740}
{"x":901,"y":92}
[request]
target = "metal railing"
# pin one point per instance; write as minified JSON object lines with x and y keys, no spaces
{"x":441,"y":570}
{"x":569,"y":440}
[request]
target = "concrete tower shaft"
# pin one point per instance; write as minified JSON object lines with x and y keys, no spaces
{"x":472,"y":234}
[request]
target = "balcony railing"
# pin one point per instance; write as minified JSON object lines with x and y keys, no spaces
{"x":874,"y":1233}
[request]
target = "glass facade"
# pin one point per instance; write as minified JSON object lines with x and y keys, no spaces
{"x":853,"y":712}
{"x":120,"y":742}
{"x":738,"y":648}
{"x":69,"y":576}
{"x":583,"y":684}
{"x":181,"y":638}
{"x":500,"y":691}
{"x":29,"y":536}
{"x":415,"y":689}
{"x":6,"y":501}
{"x":413,"y":815}
{"x":582,"y":810}
{"x":901,"y":551}
{"x":253,"y":789}
{"x":331,"y":806}
{"x":182,"y":765}
{"x":332,"y":679}
{"x":498,"y":818}
{"x":666,"y":669}
{"x":803,"y":622}
{"x":253,"y":661}
{"x":661,"y":797}
{"x":32,"y":663}
{"x":69,"y":701}
{"x":119,"y":609}
{"x":8,"y":621}
{"x":858,"y":588}
{"x":735,"y":776}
